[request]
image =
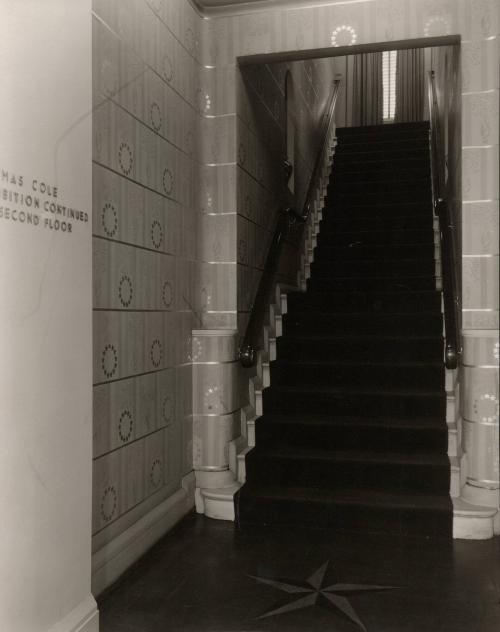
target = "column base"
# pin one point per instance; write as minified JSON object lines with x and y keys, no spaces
{"x":214,"y":494}
{"x":474,"y":522}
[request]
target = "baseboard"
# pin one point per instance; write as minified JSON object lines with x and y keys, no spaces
{"x":115,"y":557}
{"x":83,"y":618}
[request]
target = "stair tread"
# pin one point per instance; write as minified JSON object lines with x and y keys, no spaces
{"x":368,"y":292}
{"x":341,"y":390}
{"x":371,"y":218}
{"x":352,"y":364}
{"x":388,"y":260}
{"x":388,"y":181}
{"x":361,"y":337}
{"x":337,"y":250}
{"x":383,"y":140}
{"x":429,"y":230}
{"x":330,"y":274}
{"x":407,"y":500}
{"x":385,"y":204}
{"x":389,"y":315}
{"x":374,"y":138}
{"x":382,"y":127}
{"x":336,"y":247}
{"x":316,"y":419}
{"x":414,"y":164}
{"x":351,"y":456}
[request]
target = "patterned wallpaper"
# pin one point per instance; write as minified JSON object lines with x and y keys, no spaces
{"x":150,"y":279}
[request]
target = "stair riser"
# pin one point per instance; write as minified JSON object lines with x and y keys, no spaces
{"x":385,"y":146}
{"x":335,"y":437}
{"x":355,"y":518}
{"x":376,"y":237}
{"x":350,"y":326}
{"x":365,"y":172}
{"x":381,"y":253}
{"x":361,"y":283}
{"x":371,"y":404}
{"x":363,"y":325}
{"x":356,"y":156}
{"x":406,"y":188}
{"x":357,"y":198}
{"x":425,"y":377}
{"x":327,"y":474}
{"x":332,"y":223}
{"x":382,"y":210}
{"x":369,"y":302}
{"x":378,"y":132}
{"x":374,"y":267}
{"x":382,"y":136}
{"x":384,"y":128}
{"x":362,"y":350}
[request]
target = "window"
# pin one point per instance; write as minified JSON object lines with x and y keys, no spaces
{"x":389,"y":83}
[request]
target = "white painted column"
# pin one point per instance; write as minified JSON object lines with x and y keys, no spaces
{"x":45,"y":317}
{"x":216,"y":419}
{"x":480,"y":399}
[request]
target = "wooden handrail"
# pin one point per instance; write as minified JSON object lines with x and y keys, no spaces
{"x":446,"y":231}
{"x":287,"y":217}
{"x":326,"y":132}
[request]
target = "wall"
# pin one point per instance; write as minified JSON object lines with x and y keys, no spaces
{"x":477,"y":21}
{"x":45,"y":317}
{"x":262,"y":147}
{"x":445,"y":62}
{"x":149,"y":273}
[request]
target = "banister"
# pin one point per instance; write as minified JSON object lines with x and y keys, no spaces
{"x":325,"y":132}
{"x":288,"y":217}
{"x":446,"y":231}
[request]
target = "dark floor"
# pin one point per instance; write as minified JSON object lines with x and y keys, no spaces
{"x":206,"y":576}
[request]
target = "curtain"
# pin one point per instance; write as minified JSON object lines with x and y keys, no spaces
{"x":410,"y":85}
{"x":364,"y":81}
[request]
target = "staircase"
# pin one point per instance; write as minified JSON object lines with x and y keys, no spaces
{"x":354,"y":434}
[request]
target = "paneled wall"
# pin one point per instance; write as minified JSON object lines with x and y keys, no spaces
{"x":263,"y":108}
{"x":150,"y":279}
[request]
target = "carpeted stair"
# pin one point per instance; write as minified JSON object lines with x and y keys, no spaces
{"x":353,"y":434}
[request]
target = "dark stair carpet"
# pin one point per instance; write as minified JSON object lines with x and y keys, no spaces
{"x":354,"y":435}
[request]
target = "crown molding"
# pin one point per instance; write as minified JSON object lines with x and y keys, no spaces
{"x":219,"y":8}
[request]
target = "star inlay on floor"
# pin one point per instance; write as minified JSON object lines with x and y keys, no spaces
{"x":332,"y":596}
